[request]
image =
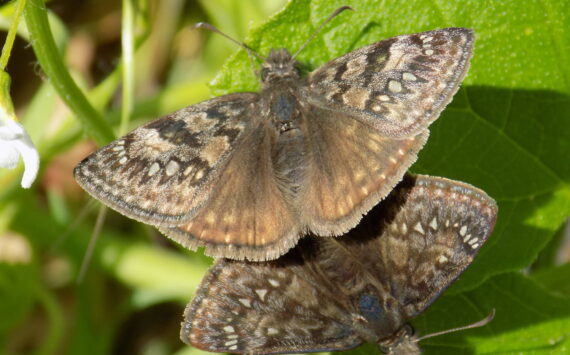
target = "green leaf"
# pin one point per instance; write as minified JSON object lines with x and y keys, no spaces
{"x":555,"y":279}
{"x":528,"y":320}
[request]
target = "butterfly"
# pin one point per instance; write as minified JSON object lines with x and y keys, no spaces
{"x":245,"y":175}
{"x":330,"y":294}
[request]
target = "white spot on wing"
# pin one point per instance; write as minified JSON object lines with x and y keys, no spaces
{"x":394,"y":86}
{"x":246,"y":302}
{"x":261,"y":293}
{"x":409,"y":77}
{"x":172,"y":167}
{"x":418,"y":228}
{"x":433,"y":223}
{"x":154,"y":168}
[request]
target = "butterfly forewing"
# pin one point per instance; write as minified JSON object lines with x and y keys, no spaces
{"x":334,"y":293}
{"x":398,"y":85}
{"x":165,"y":171}
{"x":244,"y":307}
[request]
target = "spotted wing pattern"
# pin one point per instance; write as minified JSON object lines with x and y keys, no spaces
{"x":335,"y":293}
{"x":165,"y":171}
{"x":399,"y":85}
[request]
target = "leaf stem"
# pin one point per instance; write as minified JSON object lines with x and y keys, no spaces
{"x":7,"y":48}
{"x":52,"y":64}
{"x":127,"y":44}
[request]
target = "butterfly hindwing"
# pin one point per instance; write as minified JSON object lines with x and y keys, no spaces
{"x":248,"y":215}
{"x":351,"y":167}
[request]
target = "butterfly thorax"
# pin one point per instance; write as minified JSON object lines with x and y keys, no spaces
{"x":281,"y":104}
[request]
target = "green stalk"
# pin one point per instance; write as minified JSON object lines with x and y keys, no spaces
{"x":127,"y":45}
{"x":7,"y":48}
{"x":53,"y":66}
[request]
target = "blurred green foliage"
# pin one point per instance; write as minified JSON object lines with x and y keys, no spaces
{"x":507,"y":132}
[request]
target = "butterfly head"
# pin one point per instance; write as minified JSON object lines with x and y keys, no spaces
{"x":402,"y":342}
{"x":279,"y":65}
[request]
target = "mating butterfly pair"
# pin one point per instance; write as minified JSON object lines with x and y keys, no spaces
{"x":245,"y":175}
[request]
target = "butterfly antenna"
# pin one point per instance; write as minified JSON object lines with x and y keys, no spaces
{"x":478,"y":324}
{"x":207,"y":26}
{"x":333,"y":15}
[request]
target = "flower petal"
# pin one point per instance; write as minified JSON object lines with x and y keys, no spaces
{"x":14,"y":141}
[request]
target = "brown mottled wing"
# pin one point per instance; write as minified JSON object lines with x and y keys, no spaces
{"x":351,"y":167}
{"x":427,"y":233}
{"x":399,"y":85}
{"x":265,"y":308}
{"x":248,"y":216}
{"x":163,"y":172}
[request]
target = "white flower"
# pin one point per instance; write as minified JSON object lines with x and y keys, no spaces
{"x":14,"y":141}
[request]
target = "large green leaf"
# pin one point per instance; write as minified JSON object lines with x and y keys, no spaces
{"x":507,"y":130}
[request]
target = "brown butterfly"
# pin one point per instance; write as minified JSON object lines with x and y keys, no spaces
{"x":330,"y":294}
{"x":247,"y":174}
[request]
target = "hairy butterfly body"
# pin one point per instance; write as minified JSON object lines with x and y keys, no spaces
{"x":247,"y":174}
{"x":332,"y":294}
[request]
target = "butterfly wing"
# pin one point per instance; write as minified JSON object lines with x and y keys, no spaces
{"x":405,"y":252}
{"x":433,"y":237}
{"x":265,"y":308}
{"x":203,"y":176}
{"x":351,"y":167}
{"x":248,"y":216}
{"x":164,"y":171}
{"x":399,"y":85}
{"x":422,"y":238}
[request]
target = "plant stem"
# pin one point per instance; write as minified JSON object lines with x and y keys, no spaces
{"x":53,"y":66}
{"x":7,"y":48}
{"x":127,"y":44}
